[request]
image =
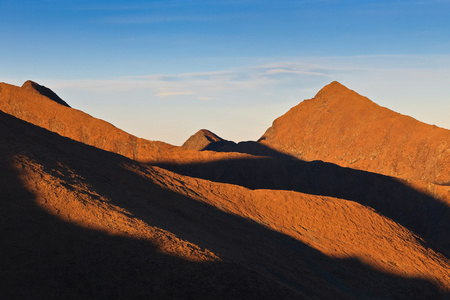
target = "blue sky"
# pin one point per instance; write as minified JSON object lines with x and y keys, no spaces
{"x":164,"y":69}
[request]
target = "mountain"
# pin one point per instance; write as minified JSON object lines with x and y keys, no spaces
{"x":342,"y":127}
{"x":28,"y":104}
{"x":77,"y":221}
{"x":205,"y":140}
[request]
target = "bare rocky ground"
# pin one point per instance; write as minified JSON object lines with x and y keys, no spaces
{"x":145,"y":219}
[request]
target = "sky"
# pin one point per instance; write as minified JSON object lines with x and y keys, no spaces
{"x":162,"y":70}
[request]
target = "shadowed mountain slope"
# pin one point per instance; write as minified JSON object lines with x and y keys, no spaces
{"x":342,"y":127}
{"x":421,"y":207}
{"x":76,"y":224}
{"x":79,"y":222}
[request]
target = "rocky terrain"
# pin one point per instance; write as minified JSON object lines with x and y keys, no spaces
{"x":82,"y":217}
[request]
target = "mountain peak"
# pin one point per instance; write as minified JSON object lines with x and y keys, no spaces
{"x":337,"y":91}
{"x":343,"y":127}
{"x":201,"y":140}
{"x":335,"y":85}
{"x":44,"y":91}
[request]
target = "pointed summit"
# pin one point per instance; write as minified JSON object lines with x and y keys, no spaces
{"x":336,"y":92}
{"x":340,"y":126}
{"x":204,"y":140}
{"x":334,"y":86}
{"x":44,"y":91}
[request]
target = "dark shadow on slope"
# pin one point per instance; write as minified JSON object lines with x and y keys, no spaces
{"x":47,"y":258}
{"x":43,"y":257}
{"x":427,"y":217}
{"x":207,"y":140}
{"x":248,"y":147}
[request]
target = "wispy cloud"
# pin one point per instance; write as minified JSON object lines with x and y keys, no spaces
{"x":263,"y":80}
{"x":211,"y":85}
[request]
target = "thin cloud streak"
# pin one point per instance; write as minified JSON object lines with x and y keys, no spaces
{"x":267,"y":76}
{"x":206,"y":85}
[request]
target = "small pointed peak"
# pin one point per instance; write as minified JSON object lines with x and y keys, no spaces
{"x":201,"y":140}
{"x":336,"y":83}
{"x":210,"y":135}
{"x":29,"y":83}
{"x":44,"y":91}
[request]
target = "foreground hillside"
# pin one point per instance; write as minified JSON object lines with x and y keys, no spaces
{"x":80,"y":222}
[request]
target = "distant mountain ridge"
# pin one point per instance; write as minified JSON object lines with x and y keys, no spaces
{"x":30,"y":105}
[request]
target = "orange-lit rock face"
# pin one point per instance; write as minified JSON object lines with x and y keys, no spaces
{"x":343,"y":127}
{"x":83,"y":206}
